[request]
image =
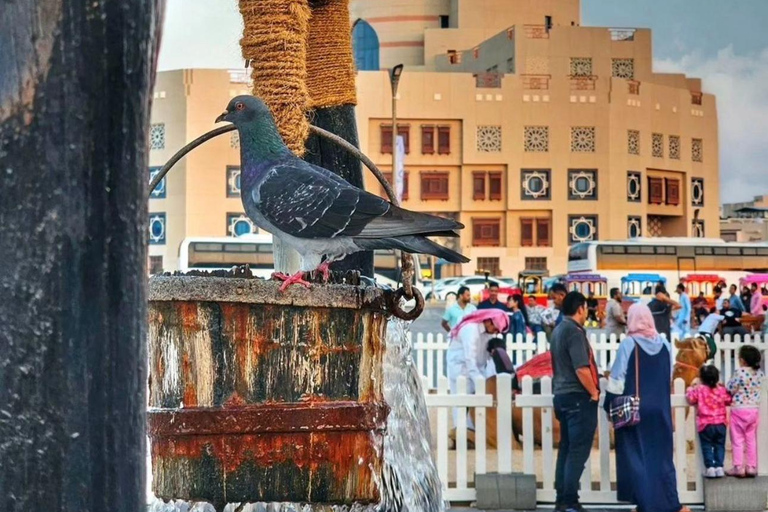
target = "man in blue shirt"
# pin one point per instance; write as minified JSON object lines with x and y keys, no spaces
{"x":461,"y":308}
{"x":493,"y":302}
{"x":735,"y":299}
{"x":683,"y":320}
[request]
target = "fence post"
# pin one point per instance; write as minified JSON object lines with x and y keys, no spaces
{"x":528,"y":444}
{"x":547,"y":439}
{"x":461,"y":438}
{"x":681,"y":444}
{"x":442,"y":434}
{"x":604,"y":441}
{"x":480,"y":426}
{"x":504,"y":422}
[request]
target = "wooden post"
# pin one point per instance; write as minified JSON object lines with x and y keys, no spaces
{"x":75,"y":83}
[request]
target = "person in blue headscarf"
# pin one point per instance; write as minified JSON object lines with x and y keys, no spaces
{"x":645,"y":470}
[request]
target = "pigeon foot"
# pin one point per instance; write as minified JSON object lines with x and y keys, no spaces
{"x":288,"y":280}
{"x":325,"y":270}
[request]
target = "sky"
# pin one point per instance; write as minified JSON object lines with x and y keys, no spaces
{"x":724,"y":42}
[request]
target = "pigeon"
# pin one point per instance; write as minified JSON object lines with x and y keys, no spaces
{"x":316,"y":212}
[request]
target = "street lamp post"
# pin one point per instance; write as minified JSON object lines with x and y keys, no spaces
{"x":394,"y":80}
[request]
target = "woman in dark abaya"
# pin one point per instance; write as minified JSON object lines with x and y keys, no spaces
{"x":644,"y":453}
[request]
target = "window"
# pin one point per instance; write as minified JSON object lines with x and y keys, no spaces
{"x":493,"y":179}
{"x":535,"y":232}
{"x":445,"y":21}
{"x":434,"y":186}
{"x":673,"y":191}
{"x":543,"y":232}
{"x":658,"y":145}
{"x":697,"y":150}
{"x":697,"y":191}
{"x":386,"y":138}
{"x":634,"y":227}
{"x":655,"y":190}
{"x":623,"y":68}
{"x":388,"y":176}
{"x":403,"y":130}
{"x":494,"y":186}
{"x":489,"y":139}
{"x":536,"y":263}
{"x":160,"y":190}
{"x":365,"y":45}
{"x":633,"y":142}
{"x":535,"y":184}
{"x":486,"y":232}
{"x":427,"y":140}
{"x":582,"y":228}
{"x":454,"y":57}
{"x":634,"y":187}
{"x":233,"y":181}
{"x":526,"y":232}
{"x":674,"y":147}
{"x":696,"y":98}
{"x":478,"y":186}
{"x":157,"y":231}
{"x":582,"y":184}
{"x":581,"y":66}
{"x":490,"y":265}
{"x":155,"y":265}
{"x":238,"y":224}
{"x":536,"y":139}
{"x":157,"y":136}
{"x":583,"y":139}
{"x":443,"y":140}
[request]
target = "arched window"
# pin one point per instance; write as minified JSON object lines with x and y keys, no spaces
{"x":365,"y":44}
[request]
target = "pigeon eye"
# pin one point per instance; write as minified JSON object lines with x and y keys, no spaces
{"x":239,"y":106}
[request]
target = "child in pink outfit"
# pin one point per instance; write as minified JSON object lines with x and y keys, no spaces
{"x":712,"y":400}
{"x":745,"y":413}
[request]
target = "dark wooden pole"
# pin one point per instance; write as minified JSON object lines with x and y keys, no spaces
{"x":341,"y":121}
{"x":75,"y":84}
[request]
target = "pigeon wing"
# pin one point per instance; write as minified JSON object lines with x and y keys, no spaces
{"x":308,"y":204}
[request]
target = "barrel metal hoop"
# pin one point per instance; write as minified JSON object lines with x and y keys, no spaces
{"x":268,"y":419}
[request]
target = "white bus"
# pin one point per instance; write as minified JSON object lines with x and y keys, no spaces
{"x":671,"y":258}
{"x":223,"y":253}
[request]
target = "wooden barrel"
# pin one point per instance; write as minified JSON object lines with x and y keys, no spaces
{"x":261,"y":396}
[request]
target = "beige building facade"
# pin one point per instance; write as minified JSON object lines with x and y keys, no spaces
{"x":535,"y":132}
{"x":745,"y":222}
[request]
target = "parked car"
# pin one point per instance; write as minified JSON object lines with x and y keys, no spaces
{"x":476,"y":285}
{"x":439,"y":285}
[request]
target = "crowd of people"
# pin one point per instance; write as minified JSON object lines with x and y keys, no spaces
{"x":643,"y":367}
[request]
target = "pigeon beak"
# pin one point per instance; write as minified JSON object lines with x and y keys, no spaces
{"x":221,"y":117}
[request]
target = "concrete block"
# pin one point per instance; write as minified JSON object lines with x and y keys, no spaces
{"x":487,"y":489}
{"x":736,"y":495}
{"x":505,"y":491}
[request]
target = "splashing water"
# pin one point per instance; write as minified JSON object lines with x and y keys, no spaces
{"x":409,"y":481}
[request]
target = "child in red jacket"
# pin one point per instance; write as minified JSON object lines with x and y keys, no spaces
{"x":712,"y":400}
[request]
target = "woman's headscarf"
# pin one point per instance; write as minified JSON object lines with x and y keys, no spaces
{"x":640,"y":322}
{"x":497,"y":316}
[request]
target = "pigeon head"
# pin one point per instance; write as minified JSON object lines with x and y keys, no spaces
{"x":245,"y":109}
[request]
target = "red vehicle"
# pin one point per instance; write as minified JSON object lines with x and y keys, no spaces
{"x":698,"y":283}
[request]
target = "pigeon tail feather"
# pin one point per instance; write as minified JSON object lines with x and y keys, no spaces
{"x":412,"y":244}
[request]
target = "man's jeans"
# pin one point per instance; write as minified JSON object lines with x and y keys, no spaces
{"x":577,"y":415}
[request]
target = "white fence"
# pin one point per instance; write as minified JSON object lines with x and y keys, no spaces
{"x":430,"y":351}
{"x":457,"y":468}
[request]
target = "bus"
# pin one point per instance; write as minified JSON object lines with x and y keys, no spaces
{"x":672,"y":258}
{"x":199,"y":253}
